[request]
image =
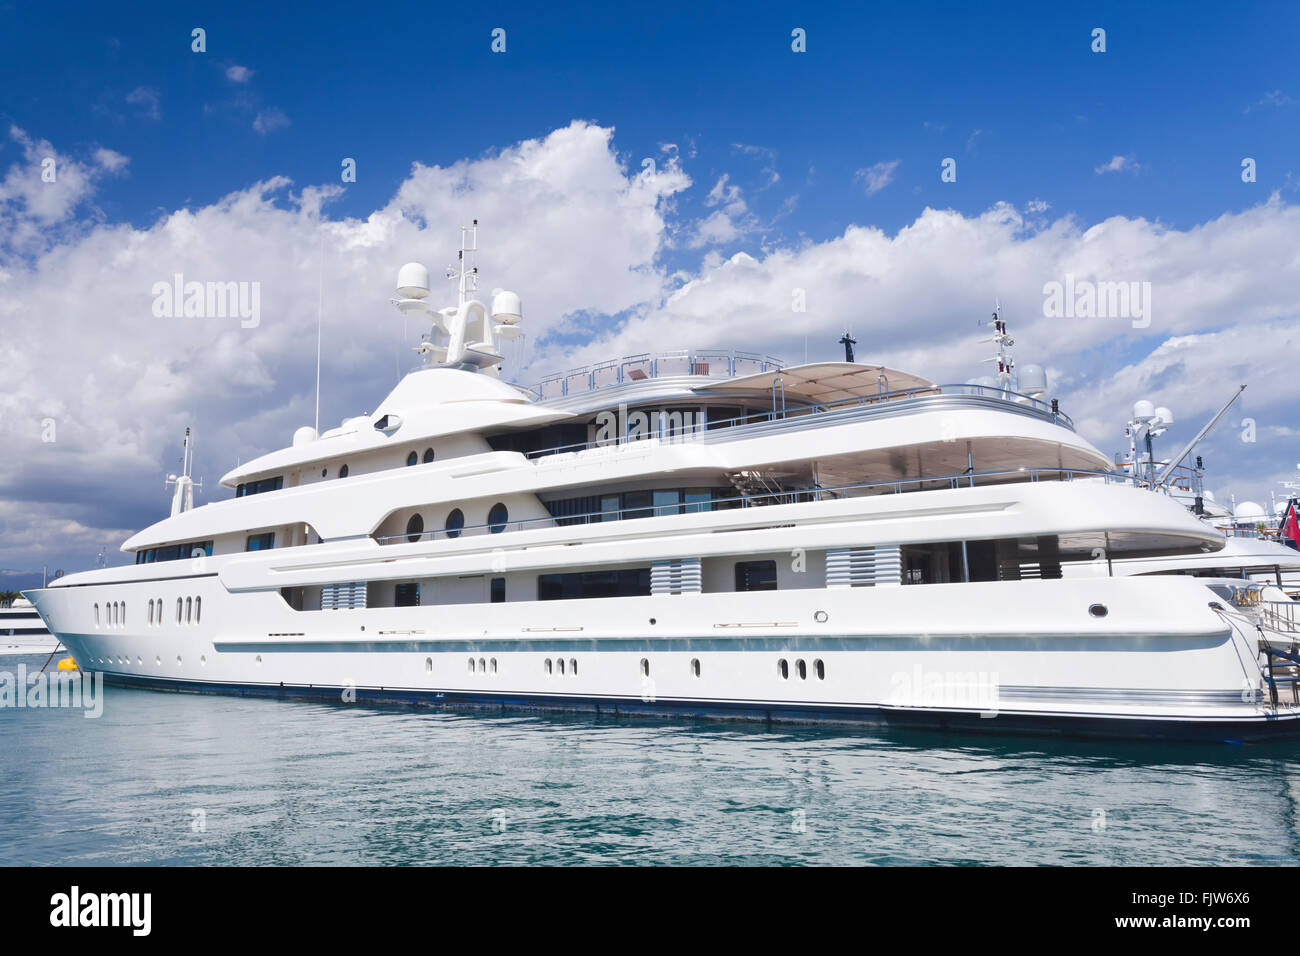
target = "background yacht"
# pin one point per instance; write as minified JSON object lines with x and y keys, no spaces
{"x":23,"y":632}
{"x":699,"y":531}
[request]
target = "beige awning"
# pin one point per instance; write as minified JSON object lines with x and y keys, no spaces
{"x":824,"y":382}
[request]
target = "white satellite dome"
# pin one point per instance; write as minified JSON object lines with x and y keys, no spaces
{"x":1143,"y":411}
{"x":506,"y":307}
{"x":413,"y":281}
{"x":304,"y":436}
{"x":1250,"y":511}
{"x":1032,"y":380}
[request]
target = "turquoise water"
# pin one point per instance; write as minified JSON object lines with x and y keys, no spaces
{"x":167,"y":778}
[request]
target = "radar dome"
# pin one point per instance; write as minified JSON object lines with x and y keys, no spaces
{"x":506,"y":307}
{"x":1033,"y":380}
{"x":1143,"y":411}
{"x":1250,"y":511}
{"x":413,"y":281}
{"x":1165,"y":415}
{"x":304,"y":435}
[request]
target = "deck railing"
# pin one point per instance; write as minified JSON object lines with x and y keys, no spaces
{"x":712,"y":363}
{"x":786,"y":496}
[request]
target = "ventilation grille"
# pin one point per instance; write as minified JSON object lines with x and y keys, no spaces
{"x":340,"y":597}
{"x":864,"y":567}
{"x":679,"y":576}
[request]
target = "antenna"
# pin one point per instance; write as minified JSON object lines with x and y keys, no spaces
{"x":1006,"y":364}
{"x":320,"y":306}
{"x":183,"y":497}
{"x":467,"y":274}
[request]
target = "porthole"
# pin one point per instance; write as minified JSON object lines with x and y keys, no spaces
{"x":821,"y":617}
{"x":97,"y":615}
{"x":455,"y":521}
{"x":343,"y":471}
{"x":428,"y":455}
{"x":189,"y":610}
{"x":801,"y":669}
{"x":548,"y":665}
{"x":203,"y":660}
{"x":559,"y":665}
{"x":258,"y":660}
{"x":645,"y":667}
{"x":482,"y":666}
{"x":428,"y":665}
{"x":412,"y":459}
{"x":471,"y":665}
{"x":1098,"y":610}
{"x":695,"y":667}
{"x":573,"y":667}
{"x":819,"y":669}
{"x":493,"y":665}
{"x":158,"y":660}
{"x":139,"y":662}
{"x":324,"y":472}
{"x":198,"y":608}
{"x":180,"y":606}
{"x":178,"y":660}
{"x":414,"y":526}
{"x":783,"y":668}
{"x":497,"y":518}
{"x":151,"y":610}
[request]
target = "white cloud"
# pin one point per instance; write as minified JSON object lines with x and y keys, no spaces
{"x":1119,"y":164}
{"x":239,"y":74}
{"x":581,"y":237}
{"x":270,"y":119}
{"x":877,"y":177}
{"x":147,"y":100}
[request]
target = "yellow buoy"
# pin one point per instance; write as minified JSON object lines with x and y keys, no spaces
{"x":67,"y":664}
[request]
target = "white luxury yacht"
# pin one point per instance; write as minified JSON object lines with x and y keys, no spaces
{"x":699,"y":532}
{"x":23,"y":632}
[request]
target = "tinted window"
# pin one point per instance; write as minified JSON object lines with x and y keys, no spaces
{"x":414,"y":528}
{"x":455,"y":521}
{"x":261,"y":542}
{"x":755,"y":575}
{"x":497,"y":518}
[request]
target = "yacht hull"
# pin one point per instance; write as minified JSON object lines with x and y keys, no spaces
{"x":1112,"y":657}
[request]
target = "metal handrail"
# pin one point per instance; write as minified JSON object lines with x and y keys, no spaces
{"x":790,"y":496}
{"x":714,"y":363}
{"x":685,"y":433}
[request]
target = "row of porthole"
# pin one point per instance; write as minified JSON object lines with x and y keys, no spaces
{"x":498,"y":516}
{"x":801,"y":669}
{"x":114,"y":614}
{"x":188,"y":611}
{"x":412,"y":459}
{"x":480,"y":667}
{"x":139,"y":661}
{"x":557,"y":666}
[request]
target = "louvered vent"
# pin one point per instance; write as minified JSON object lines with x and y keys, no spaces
{"x":339,"y":597}
{"x":864,"y":567}
{"x":678,"y":576}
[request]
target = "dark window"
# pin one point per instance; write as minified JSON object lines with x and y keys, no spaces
{"x":755,"y":575}
{"x":261,"y":542}
{"x":636,"y":504}
{"x":428,"y":455}
{"x":258,"y":487}
{"x":412,"y":459}
{"x":407,"y":595}
{"x":455,"y":521}
{"x":668,"y":501}
{"x":343,"y":471}
{"x":414,"y":528}
{"x":594,"y":584}
{"x":498,"y":590}
{"x":497,"y":518}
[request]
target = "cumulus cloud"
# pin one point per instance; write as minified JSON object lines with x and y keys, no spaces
{"x":586,"y":241}
{"x":877,"y":177}
{"x":238,"y":74}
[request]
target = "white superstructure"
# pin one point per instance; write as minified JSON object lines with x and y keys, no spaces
{"x":699,"y":531}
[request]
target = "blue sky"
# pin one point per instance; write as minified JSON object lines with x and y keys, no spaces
{"x":819,"y":168}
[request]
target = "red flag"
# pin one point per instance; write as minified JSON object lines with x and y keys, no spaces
{"x":1290,"y":526}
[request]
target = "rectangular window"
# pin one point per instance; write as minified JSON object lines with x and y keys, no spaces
{"x":261,"y":542}
{"x":609,"y":507}
{"x":498,"y":590}
{"x":755,"y":575}
{"x":594,"y":584}
{"x":407,"y":595}
{"x":697,"y":499}
{"x":634,"y":502}
{"x":668,"y":501}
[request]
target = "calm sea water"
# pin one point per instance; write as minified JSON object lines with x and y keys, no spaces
{"x":166,"y":778}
